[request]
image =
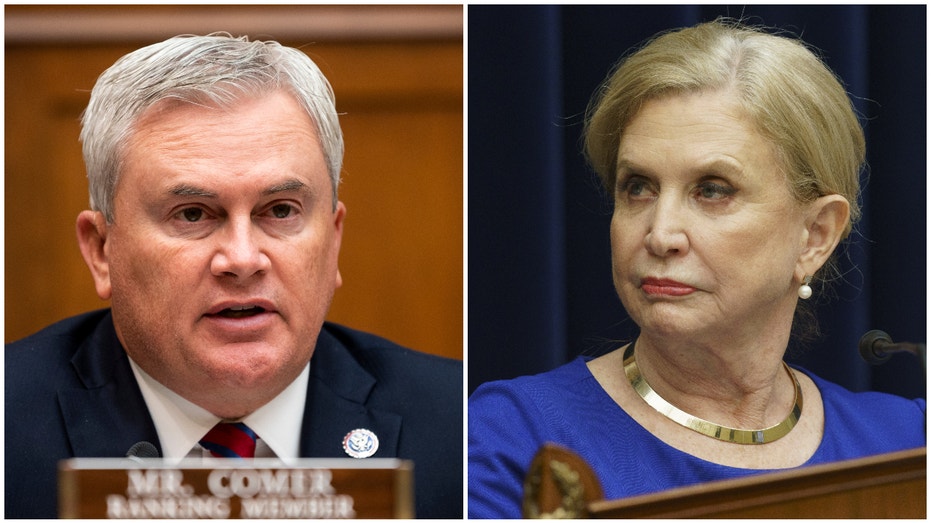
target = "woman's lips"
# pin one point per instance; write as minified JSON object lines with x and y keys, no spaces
{"x":665,"y":287}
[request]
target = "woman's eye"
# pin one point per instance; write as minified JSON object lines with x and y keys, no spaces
{"x":634,"y":187}
{"x":714,"y":191}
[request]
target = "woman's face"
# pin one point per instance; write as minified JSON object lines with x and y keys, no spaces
{"x":705,"y":235}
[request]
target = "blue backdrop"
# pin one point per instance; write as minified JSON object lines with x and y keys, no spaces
{"x":539,"y":280}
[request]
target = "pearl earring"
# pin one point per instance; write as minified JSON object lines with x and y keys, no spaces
{"x":804,"y":292}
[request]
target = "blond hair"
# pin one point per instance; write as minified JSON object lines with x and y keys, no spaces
{"x":791,"y":96}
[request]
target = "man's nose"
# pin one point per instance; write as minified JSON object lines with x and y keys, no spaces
{"x":240,"y":252}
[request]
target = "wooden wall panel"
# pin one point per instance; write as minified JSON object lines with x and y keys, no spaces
{"x":401,"y":99}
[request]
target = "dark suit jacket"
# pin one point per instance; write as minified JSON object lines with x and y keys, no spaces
{"x":70,"y":392}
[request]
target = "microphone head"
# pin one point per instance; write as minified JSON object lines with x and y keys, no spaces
{"x":871,"y":347}
{"x":142,"y":449}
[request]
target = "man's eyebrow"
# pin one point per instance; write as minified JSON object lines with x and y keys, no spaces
{"x":184,"y":189}
{"x":289,"y":185}
{"x":191,"y":190}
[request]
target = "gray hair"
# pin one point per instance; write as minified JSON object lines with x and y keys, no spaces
{"x":216,"y":69}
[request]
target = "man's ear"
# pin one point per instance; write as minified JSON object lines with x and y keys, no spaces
{"x":92,"y":229}
{"x":825,"y":225}
{"x":339,"y":217}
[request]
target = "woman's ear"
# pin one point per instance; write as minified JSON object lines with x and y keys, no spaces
{"x":92,"y":229}
{"x":825,"y":224}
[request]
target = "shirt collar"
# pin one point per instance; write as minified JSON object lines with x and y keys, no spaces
{"x":180,"y":424}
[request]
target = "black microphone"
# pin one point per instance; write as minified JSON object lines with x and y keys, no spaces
{"x":876,"y":347}
{"x":142,"y":449}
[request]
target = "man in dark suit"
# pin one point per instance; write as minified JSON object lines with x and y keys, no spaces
{"x":214,"y":230}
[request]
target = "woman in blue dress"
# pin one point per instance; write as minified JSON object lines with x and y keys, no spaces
{"x":733,"y":156}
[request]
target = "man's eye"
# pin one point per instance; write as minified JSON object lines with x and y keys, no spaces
{"x":192,"y":215}
{"x":282,"y":210}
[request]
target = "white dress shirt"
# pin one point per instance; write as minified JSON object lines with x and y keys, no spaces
{"x":181,"y":424}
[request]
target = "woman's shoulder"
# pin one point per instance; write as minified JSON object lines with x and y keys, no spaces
{"x":546,"y":405}
{"x":870,"y":402}
{"x":870,"y":422}
{"x":508,"y":421}
{"x":558,"y":383}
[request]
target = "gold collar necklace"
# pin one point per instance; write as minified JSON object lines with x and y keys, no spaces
{"x":732,"y":435}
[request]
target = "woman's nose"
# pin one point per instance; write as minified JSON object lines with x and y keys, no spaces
{"x":666,"y":234}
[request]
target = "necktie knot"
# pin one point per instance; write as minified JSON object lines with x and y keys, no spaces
{"x":230,"y":440}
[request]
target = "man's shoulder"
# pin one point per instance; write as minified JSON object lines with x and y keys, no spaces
{"x":51,"y":353}
{"x":393,"y":365}
{"x":375,"y":351}
{"x":61,"y":338}
{"x":419,"y":394}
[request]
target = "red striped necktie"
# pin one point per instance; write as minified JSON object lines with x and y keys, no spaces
{"x":230,"y":440}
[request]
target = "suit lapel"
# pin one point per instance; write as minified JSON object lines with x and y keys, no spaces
{"x":338,"y":402}
{"x":106,"y":416}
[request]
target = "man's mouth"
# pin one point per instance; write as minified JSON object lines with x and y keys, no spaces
{"x":244,"y":311}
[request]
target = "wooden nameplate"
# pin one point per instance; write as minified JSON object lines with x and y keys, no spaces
{"x":123,"y":488}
